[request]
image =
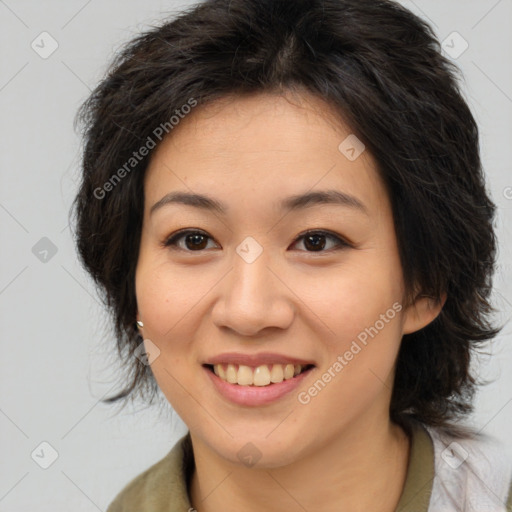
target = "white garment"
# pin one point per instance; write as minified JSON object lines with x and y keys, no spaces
{"x":471,"y":475}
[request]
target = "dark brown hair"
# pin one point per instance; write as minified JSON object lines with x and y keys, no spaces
{"x":381,"y":69}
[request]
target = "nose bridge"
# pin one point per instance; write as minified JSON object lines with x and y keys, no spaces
{"x":253,"y":298}
{"x":251,"y":281}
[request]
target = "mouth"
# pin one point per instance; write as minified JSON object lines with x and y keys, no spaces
{"x":257,"y":376}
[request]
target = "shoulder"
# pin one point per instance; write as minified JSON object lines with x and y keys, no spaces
{"x":161,"y":487}
{"x":472,"y":471}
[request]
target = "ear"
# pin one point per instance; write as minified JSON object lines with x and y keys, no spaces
{"x":421,"y":312}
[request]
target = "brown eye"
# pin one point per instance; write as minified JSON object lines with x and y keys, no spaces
{"x":315,"y":241}
{"x":193,"y":240}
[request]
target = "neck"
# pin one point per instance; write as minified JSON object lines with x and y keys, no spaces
{"x":364,"y":469}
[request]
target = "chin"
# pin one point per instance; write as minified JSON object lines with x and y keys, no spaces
{"x":257,"y":449}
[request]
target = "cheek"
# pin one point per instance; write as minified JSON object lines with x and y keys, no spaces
{"x":170,"y":302}
{"x":364,"y":313}
{"x":354,"y":296}
{"x":361,"y":305}
{"x":166,"y":296}
{"x":166,"y":300}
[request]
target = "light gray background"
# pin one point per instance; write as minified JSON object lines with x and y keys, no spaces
{"x":58,"y":359}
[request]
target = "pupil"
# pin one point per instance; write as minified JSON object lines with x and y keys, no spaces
{"x":315,"y":244}
{"x":197,"y":238}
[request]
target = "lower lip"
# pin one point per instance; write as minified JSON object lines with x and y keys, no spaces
{"x":255,"y":395}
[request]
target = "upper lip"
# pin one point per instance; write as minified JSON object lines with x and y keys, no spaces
{"x":255,"y":359}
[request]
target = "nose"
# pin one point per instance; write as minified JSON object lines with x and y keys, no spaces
{"x":253,"y":297}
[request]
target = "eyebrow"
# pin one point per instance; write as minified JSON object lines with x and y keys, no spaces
{"x":296,"y":202}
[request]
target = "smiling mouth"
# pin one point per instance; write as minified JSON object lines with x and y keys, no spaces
{"x":263,"y":375}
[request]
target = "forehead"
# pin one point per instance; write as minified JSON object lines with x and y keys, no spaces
{"x":262,"y":145}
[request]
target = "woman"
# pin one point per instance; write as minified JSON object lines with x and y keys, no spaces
{"x":284,"y":206}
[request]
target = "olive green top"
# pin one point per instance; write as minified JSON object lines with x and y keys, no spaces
{"x":163,"y":486}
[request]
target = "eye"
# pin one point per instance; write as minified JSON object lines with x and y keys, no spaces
{"x":314,"y":241}
{"x":194,"y":240}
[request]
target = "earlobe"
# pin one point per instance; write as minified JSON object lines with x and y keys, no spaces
{"x":422,"y":312}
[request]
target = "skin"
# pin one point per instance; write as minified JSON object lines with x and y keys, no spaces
{"x":250,"y":153}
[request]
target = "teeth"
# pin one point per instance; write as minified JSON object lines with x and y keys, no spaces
{"x":231,"y":374}
{"x":289,"y":370}
{"x":277,"y":373}
{"x":260,"y":376}
{"x":244,"y":375}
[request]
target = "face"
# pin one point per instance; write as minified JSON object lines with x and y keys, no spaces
{"x":287,"y":265}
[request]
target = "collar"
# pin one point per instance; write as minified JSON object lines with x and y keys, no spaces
{"x":164,"y":486}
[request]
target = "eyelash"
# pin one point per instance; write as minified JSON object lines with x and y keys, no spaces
{"x":170,"y":242}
